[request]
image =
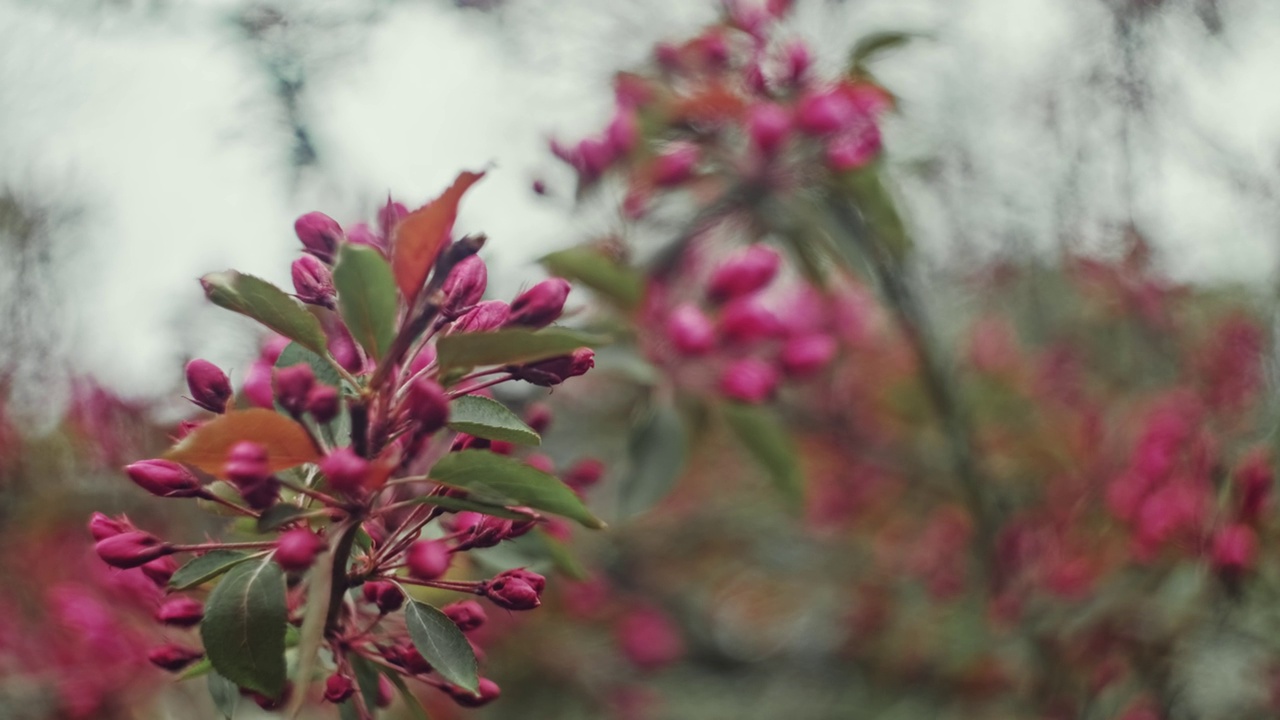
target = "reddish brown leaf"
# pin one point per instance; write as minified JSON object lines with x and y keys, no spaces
{"x":419,"y":237}
{"x":287,"y":442}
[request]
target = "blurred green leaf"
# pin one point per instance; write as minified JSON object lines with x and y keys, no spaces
{"x":489,"y":419}
{"x":201,"y":667}
{"x":295,"y":354}
{"x":366,"y":675}
{"x":771,"y":446}
{"x":508,"y":481}
{"x":203,"y":568}
{"x":244,"y":627}
{"x":411,"y":702}
{"x":266,"y":303}
{"x":225,"y":694}
{"x":590,"y":267}
{"x":457,"y":504}
{"x":656,"y":452}
{"x":279,"y":514}
{"x":509,"y":347}
{"x":442,"y":644}
{"x":871,"y":45}
{"x":366,"y":297}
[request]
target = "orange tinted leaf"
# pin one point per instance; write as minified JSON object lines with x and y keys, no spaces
{"x":287,"y":442}
{"x":421,"y":234}
{"x":710,"y":104}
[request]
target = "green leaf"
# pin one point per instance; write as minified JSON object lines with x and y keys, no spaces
{"x":596,"y":270}
{"x":296,"y":354}
{"x":311,"y":634}
{"x":561,"y":556}
{"x":871,"y":45}
{"x":509,"y":347}
{"x":411,"y":702}
{"x":200,"y":667}
{"x":244,"y":627}
{"x":266,"y":303}
{"x":366,"y":674}
{"x":508,"y":481}
{"x":457,"y":504}
{"x":442,"y":644}
{"x":225,"y":694}
{"x":279,"y":514}
{"x":348,"y":710}
{"x":769,"y":444}
{"x":203,"y":568}
{"x":489,"y":419}
{"x":878,"y":210}
{"x":366,"y":297}
{"x":656,"y":452}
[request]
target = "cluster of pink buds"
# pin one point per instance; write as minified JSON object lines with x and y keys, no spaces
{"x":733,"y":102}
{"x":370,"y":459}
{"x":730,"y":328}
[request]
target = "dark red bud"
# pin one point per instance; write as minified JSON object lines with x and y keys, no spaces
{"x":181,"y":611}
{"x":247,"y":464}
{"x":428,"y":405}
{"x":208,"y":385}
{"x":488,"y":692}
{"x":538,"y":417}
{"x":297,"y":549}
{"x":515,"y":589}
{"x":384,"y":594}
{"x":313,"y":282}
{"x":103,"y":527}
{"x":556,"y":370}
{"x":345,"y":470}
{"x":323,"y":403}
{"x":489,"y":531}
{"x":173,"y":657}
{"x":164,"y":478}
{"x":488,"y":315}
{"x":292,"y":385}
{"x":1235,"y":549}
{"x":319,"y":234}
{"x":584,"y":474}
{"x":428,"y":559}
{"x":540,"y":305}
{"x":160,"y":570}
{"x":464,"y":287}
{"x":466,"y":614}
{"x":338,"y":688}
{"x":131,"y":549}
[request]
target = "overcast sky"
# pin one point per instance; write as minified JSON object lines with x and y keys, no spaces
{"x":155,"y":123}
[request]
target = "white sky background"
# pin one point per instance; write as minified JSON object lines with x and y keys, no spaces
{"x":154,"y":121}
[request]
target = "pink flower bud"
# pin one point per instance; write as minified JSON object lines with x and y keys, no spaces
{"x":209,"y":386}
{"x":487,"y":532}
{"x":103,"y":527}
{"x":272,"y":347}
{"x":386,"y":691}
{"x":428,"y":559}
{"x":185,"y":428}
{"x":466,"y":614}
{"x":554,"y":371}
{"x":542,"y":462}
{"x":297,"y":549}
{"x":173,"y":657}
{"x":667,"y":56}
{"x":798,"y":61}
{"x":164,"y":478}
{"x":324,"y":403}
{"x":1254,"y":479}
{"x":257,"y":385}
{"x":538,"y":417}
{"x":292,"y":384}
{"x":488,"y":692}
{"x":464,"y":287}
{"x":313,"y":282}
{"x":747,"y":320}
{"x":319,"y":234}
{"x":594,"y":155}
{"x":428,"y":405}
{"x":584,"y":474}
{"x":131,"y":549}
{"x":768,"y":125}
{"x":806,"y":354}
{"x":485,"y":316}
{"x":362,"y":234}
{"x":515,"y":589}
{"x":247,"y":464}
{"x":502,"y":447}
{"x":690,"y":331}
{"x":181,"y":611}
{"x":390,"y":215}
{"x":824,"y":112}
{"x":648,"y":639}
{"x":1235,"y":549}
{"x":744,"y":273}
{"x":854,"y":149}
{"x":345,"y":470}
{"x":540,"y":305}
{"x":384,"y":594}
{"x":623,"y":131}
{"x":749,"y":380}
{"x":676,"y":164}
{"x":714,"y":49}
{"x":160,"y":570}
{"x":338,"y":688}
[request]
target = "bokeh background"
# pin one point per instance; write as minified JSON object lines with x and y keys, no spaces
{"x":144,"y":143}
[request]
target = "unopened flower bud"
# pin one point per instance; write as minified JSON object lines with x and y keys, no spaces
{"x":319,"y":234}
{"x":747,"y":320}
{"x":362,"y":234}
{"x":390,"y":215}
{"x":584,"y":474}
{"x":160,"y":570}
{"x":623,"y":131}
{"x":690,"y":330}
{"x":488,"y":532}
{"x":593,"y":157}
{"x":209,"y":386}
{"x":798,"y":61}
{"x":485,"y":316}
{"x":768,"y":125}
{"x":515,"y":589}
{"x":676,"y":164}
{"x":323,"y":403}
{"x":806,"y":354}
{"x":297,"y":549}
{"x":345,"y":470}
{"x":384,"y":594}
{"x":540,"y":305}
{"x":556,"y":370}
{"x":538,"y":417}
{"x":173,"y":657}
{"x":744,"y":273}
{"x":464,"y":287}
{"x":164,"y":478}
{"x":292,"y":384}
{"x":131,"y":549}
{"x":185,"y":428}
{"x":313,"y":282}
{"x":338,"y":688}
{"x":824,"y":112}
{"x":257,"y":385}
{"x":1235,"y":549}
{"x":466,"y":614}
{"x":749,"y":380}
{"x":247,"y":464}
{"x":540,"y":461}
{"x":103,"y":527}
{"x":428,"y":405}
{"x":181,"y":611}
{"x":488,"y":692}
{"x":854,"y":149}
{"x":649,"y":639}
{"x":427,"y":559}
